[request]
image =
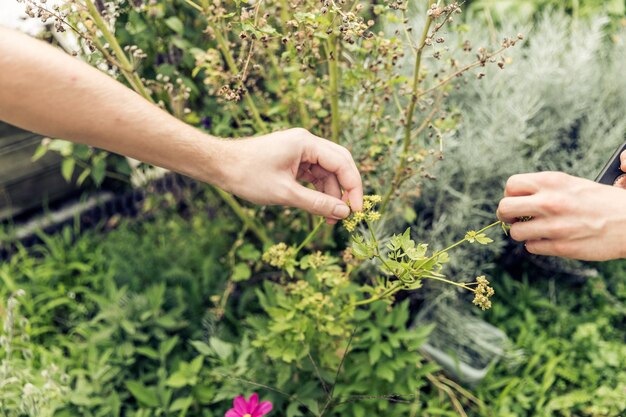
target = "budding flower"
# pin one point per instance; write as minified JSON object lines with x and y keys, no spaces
{"x":483,"y":293}
{"x":278,"y":255}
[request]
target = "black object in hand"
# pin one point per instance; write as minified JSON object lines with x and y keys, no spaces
{"x":611,"y":172}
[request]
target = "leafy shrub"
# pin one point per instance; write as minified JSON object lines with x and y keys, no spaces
{"x":573,"y":339}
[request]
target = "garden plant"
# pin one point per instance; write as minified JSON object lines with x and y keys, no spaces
{"x":266,"y":302}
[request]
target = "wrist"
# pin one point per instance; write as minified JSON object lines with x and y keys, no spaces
{"x":209,"y":160}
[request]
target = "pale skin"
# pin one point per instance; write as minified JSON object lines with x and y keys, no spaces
{"x":46,"y":91}
{"x":571,"y":217}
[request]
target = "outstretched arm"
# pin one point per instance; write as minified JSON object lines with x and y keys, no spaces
{"x":46,"y":91}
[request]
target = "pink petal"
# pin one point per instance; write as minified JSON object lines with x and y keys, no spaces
{"x":252,"y":403}
{"x":240,"y":404}
{"x":263,"y":408}
{"x":232,"y":413}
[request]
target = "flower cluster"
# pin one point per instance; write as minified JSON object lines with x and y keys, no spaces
{"x":368,"y":213}
{"x":483,"y":293}
{"x":279,"y":255}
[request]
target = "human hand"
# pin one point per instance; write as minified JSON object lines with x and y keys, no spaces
{"x":267,"y":170}
{"x":571,"y":217}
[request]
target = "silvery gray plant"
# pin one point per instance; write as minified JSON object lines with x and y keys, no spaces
{"x":558,"y":105}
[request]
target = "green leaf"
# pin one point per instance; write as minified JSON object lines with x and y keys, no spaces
{"x":293,"y":410}
{"x":196,"y":364}
{"x":222,"y":349}
{"x":39,"y":153}
{"x":483,"y":239}
{"x":147,"y":352}
{"x":374,"y":353}
{"x":83,"y":176}
{"x":63,"y":147}
{"x":248,"y":252}
{"x":181,"y":404}
{"x":201,"y":347}
{"x":67,"y":168}
{"x":385,"y":372}
{"x":166,"y":347}
{"x":175,"y":24}
{"x":143,"y":394}
{"x":241,"y":272}
{"x":98,"y":171}
{"x":177,"y":380}
{"x":473,"y":236}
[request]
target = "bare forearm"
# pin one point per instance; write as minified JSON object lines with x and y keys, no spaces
{"x":49,"y":92}
{"x":46,"y":91}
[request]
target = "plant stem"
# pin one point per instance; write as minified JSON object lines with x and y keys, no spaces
{"x":333,"y":74}
{"x":239,"y":211}
{"x":284,"y":11}
{"x":370,"y":300}
{"x":447,"y":281}
{"x":126,"y":67}
{"x":460,"y":242}
{"x":311,"y":235}
{"x":410,"y":112}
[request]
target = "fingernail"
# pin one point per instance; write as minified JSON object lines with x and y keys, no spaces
{"x":341,"y":211}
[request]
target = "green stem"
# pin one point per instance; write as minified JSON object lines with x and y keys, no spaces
{"x":333,"y":74}
{"x":447,"y":281}
{"x":127,"y":68}
{"x":389,"y":292}
{"x":410,"y":112}
{"x":239,"y":211}
{"x":460,"y":242}
{"x":310,"y":236}
{"x":284,"y":12}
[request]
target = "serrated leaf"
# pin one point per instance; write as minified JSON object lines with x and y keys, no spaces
{"x":483,"y":239}
{"x":222,"y":349}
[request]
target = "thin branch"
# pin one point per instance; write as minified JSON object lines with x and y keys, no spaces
{"x":343,"y":359}
{"x":318,"y":373}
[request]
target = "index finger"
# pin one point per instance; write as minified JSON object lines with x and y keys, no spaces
{"x":338,"y":160}
{"x":520,"y":185}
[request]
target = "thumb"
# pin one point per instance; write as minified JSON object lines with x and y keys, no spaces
{"x":319,"y":203}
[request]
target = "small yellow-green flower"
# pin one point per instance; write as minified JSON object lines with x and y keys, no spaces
{"x":278,"y":255}
{"x":373,"y":216}
{"x":483,"y":293}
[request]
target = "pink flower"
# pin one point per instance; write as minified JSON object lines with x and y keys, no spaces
{"x":250,"y":408}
